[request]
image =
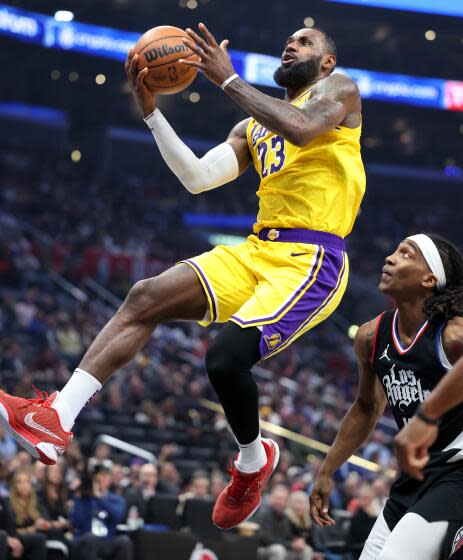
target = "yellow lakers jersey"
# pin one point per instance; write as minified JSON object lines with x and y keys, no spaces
{"x":318,"y":186}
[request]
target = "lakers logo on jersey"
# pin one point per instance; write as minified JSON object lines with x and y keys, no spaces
{"x":273,"y":340}
{"x":273,"y":234}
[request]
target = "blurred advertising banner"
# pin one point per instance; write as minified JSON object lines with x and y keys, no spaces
{"x":255,"y":68}
{"x":443,"y":7}
{"x":454,"y":96}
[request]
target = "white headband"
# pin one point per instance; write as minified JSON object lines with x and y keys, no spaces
{"x":432,"y":257}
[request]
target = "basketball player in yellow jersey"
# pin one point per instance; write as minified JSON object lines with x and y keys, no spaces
{"x":286,"y":278}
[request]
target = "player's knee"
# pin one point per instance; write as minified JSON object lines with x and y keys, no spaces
{"x":233,"y":351}
{"x":141,"y":301}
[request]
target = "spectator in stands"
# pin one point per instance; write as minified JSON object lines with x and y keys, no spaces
{"x":170,"y":476}
{"x":350,"y":490}
{"x":26,"y":310}
{"x":120,"y":480}
{"x":299,"y":450}
{"x":25,"y":504}
{"x":28,"y":520}
{"x":218,"y":483}
{"x":29,"y":546}
{"x":54,"y":498}
{"x":199,"y":487}
{"x":11,"y":358}
{"x":149,"y":413}
{"x":286,"y":461}
{"x":134,"y":473}
{"x":277,"y":540}
{"x":363,"y":519}
{"x":38,"y":474}
{"x":278,"y":479}
{"x":101,"y":456}
{"x":381,"y":487}
{"x":94,"y":517}
{"x":22,"y":461}
{"x":4,"y":484}
{"x":8,"y":447}
{"x":75,"y":464}
{"x":149,"y":486}
{"x":299,"y":518}
{"x":69,"y":340}
{"x":376,"y":450}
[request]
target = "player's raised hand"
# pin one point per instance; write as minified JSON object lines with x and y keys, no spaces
{"x":215,"y":61}
{"x":145,"y":98}
{"x":411,"y":446}
{"x":320,"y":501}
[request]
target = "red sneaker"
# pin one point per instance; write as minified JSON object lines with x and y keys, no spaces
{"x":241,"y":498}
{"x":35,"y":425}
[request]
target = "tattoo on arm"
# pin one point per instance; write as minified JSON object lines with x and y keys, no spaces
{"x":333,"y":98}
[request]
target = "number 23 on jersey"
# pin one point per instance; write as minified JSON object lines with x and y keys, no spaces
{"x":271,"y":154}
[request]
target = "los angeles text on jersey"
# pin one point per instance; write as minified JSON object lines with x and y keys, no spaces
{"x":403,"y":388}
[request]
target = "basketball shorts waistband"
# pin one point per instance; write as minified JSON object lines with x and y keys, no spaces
{"x":298,"y":235}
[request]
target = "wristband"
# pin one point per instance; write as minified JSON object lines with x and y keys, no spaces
{"x":422,"y":416}
{"x":152,"y":117}
{"x":229,"y":80}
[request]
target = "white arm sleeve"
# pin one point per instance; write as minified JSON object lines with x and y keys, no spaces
{"x":217,"y":167}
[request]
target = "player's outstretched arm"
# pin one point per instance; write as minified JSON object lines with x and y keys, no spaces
{"x":333,"y":99}
{"x":355,"y":428}
{"x":217,"y":167}
{"x":413,"y":441}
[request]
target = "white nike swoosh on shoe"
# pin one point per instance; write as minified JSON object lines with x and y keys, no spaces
{"x":29,"y":420}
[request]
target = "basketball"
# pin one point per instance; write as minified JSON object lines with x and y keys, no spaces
{"x":159,"y":49}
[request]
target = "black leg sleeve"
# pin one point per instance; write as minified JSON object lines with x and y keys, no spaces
{"x":229,"y":361}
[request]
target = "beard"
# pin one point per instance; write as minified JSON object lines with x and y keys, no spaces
{"x":298,"y":74}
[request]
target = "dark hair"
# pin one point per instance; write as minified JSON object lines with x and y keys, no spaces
{"x":444,"y":305}
{"x":328,"y":43}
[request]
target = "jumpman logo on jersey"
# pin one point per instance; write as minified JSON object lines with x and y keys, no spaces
{"x":384,"y":354}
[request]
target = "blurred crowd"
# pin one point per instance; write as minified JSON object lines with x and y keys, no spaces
{"x":53,"y":210}
{"x":90,"y":507}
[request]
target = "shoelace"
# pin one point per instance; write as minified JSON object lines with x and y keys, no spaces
{"x":42,"y":398}
{"x":241,"y":483}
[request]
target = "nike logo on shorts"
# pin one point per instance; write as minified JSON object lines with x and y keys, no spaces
{"x":29,"y":420}
{"x":299,"y":254}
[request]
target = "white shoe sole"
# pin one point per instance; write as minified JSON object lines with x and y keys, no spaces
{"x":37,"y":451}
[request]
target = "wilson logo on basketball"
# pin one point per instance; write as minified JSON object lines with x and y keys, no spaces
{"x":164,"y":50}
